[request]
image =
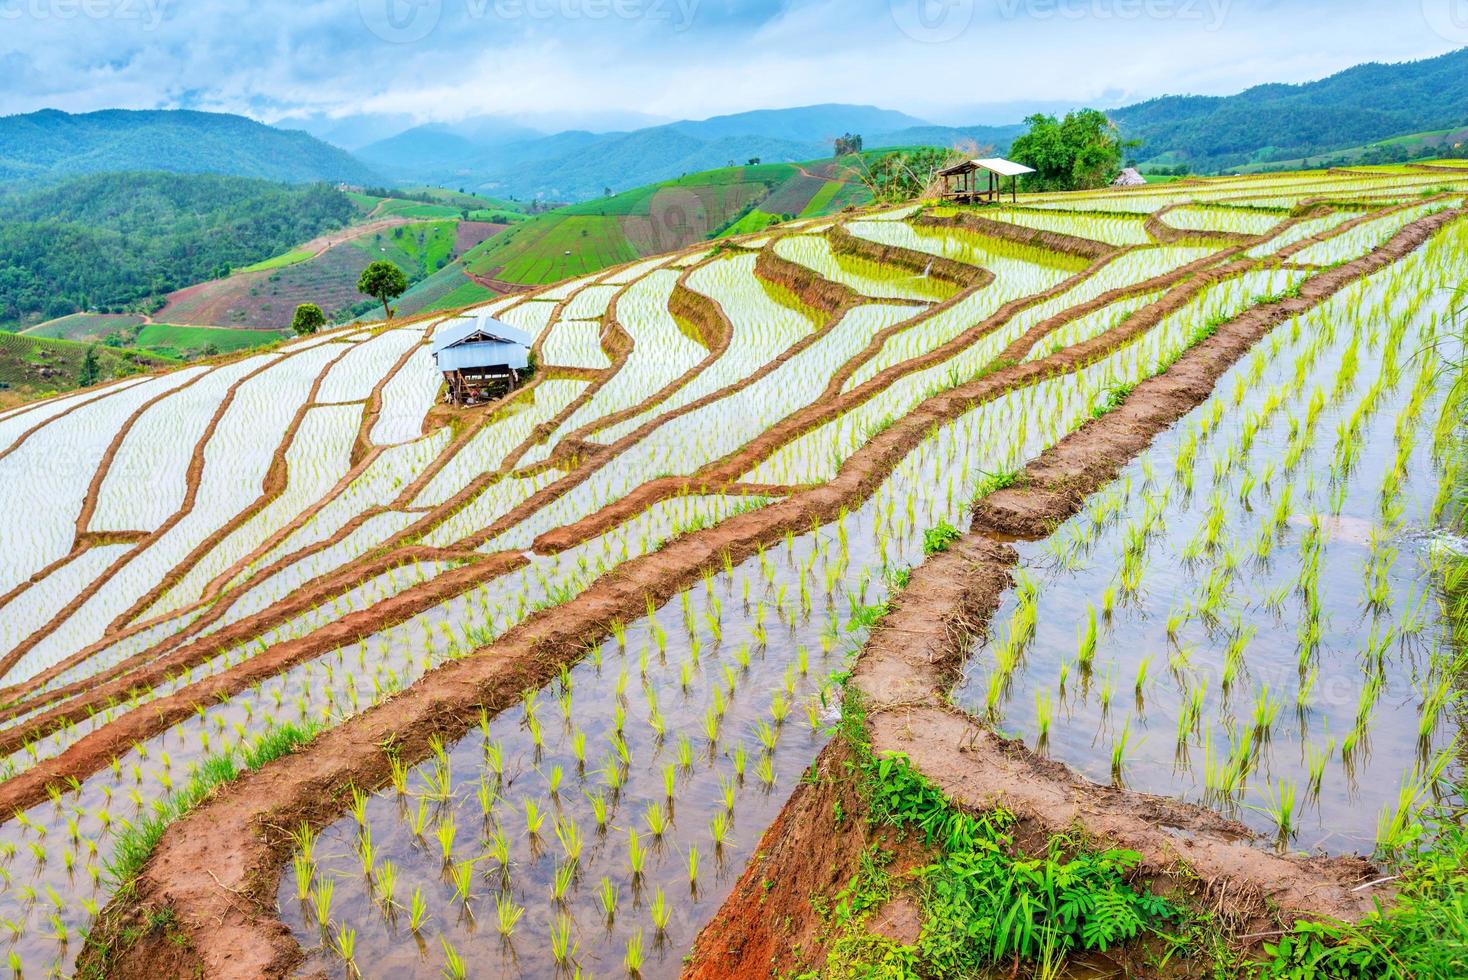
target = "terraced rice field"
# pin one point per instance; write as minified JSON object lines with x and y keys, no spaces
{"x":517,"y":690}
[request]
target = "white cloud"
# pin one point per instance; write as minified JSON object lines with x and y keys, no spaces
{"x":275,"y":58}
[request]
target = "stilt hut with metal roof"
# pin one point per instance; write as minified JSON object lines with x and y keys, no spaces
{"x":962,"y":186}
{"x":480,"y":357}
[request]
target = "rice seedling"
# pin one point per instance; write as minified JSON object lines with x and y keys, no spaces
{"x":417,"y":910}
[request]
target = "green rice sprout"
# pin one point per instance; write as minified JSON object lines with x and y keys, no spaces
{"x":636,"y":857}
{"x":1119,"y":750}
{"x":563,"y":947}
{"x":606,"y":896}
{"x":632,"y":959}
{"x":565,"y":875}
{"x":321,"y":899}
{"x":462,"y":875}
{"x":1044,"y":709}
{"x":417,"y":910}
{"x":661,"y":913}
{"x":445,"y":837}
{"x":719,"y":830}
{"x":454,"y":967}
{"x":346,"y":945}
{"x":305,"y":871}
{"x":1086,"y":650}
{"x":507,"y":914}
{"x":386,"y":883}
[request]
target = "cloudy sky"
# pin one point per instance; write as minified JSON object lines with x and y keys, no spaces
{"x":568,"y":60}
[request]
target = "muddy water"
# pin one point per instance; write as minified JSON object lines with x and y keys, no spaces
{"x":1226,"y":574}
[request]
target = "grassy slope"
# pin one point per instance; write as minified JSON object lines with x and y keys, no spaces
{"x":35,"y":366}
{"x":83,"y":326}
{"x":584,"y":238}
{"x":279,"y":261}
{"x":418,"y":248}
{"x":463,"y":199}
{"x":1412,"y":143}
{"x":181,"y":340}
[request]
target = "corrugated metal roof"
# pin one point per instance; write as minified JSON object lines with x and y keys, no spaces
{"x":483,"y":354}
{"x":1004,"y":168}
{"x":461,"y":330}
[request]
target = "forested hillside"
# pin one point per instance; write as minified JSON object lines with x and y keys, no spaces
{"x":50,"y":144}
{"x":108,"y":241}
{"x":1290,"y":122}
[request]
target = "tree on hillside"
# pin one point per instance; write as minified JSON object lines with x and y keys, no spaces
{"x":90,"y":372}
{"x":383,"y":281}
{"x":308,"y":319}
{"x":1081,"y":151}
{"x":847,"y":144}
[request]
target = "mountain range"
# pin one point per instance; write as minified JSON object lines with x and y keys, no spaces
{"x":505,"y":159}
{"x":1264,"y":124}
{"x":516,"y":157}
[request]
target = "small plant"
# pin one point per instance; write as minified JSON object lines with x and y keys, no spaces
{"x":454,"y":967}
{"x":939,"y":538}
{"x":417,"y":910}
{"x":507,"y":914}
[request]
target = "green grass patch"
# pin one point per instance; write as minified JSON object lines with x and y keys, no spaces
{"x":179,"y":340}
{"x":1423,"y":933}
{"x":985,"y":903}
{"x":83,"y":326}
{"x":279,"y":261}
{"x":37,"y":366}
{"x":397,"y":207}
{"x":365,"y":202}
{"x":136,"y":843}
{"x":466,"y":293}
{"x":754,"y":221}
{"x":465,"y":199}
{"x":419,"y":249}
{"x":820,"y":204}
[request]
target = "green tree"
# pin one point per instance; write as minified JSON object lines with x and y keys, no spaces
{"x":90,"y":373}
{"x":1081,"y":151}
{"x":383,"y":281}
{"x":308,"y":319}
